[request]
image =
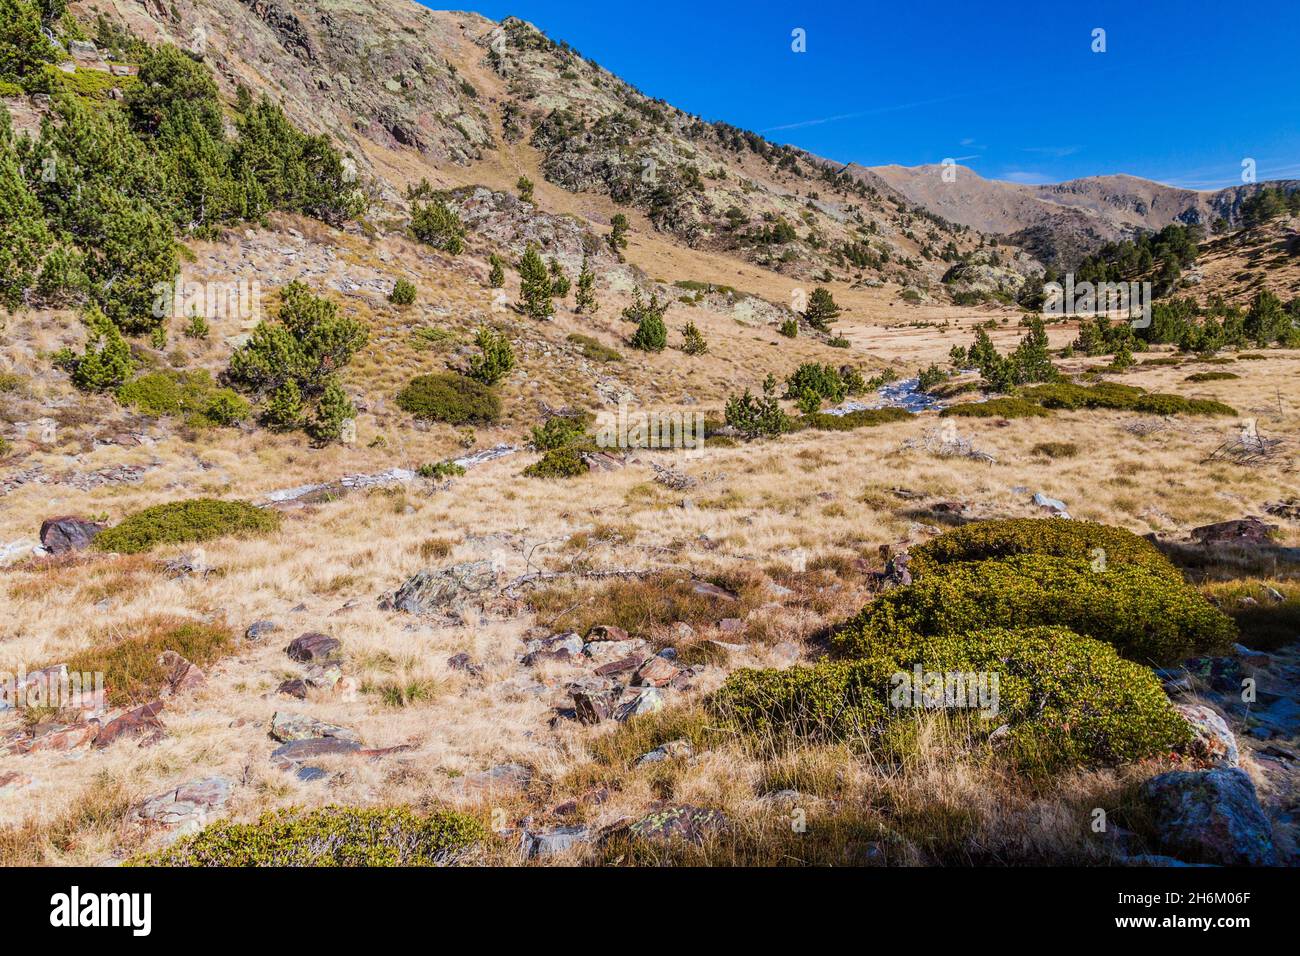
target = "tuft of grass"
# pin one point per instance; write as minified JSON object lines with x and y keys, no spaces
{"x":1056,"y":449}
{"x":638,"y":605}
{"x":1267,"y":623}
{"x":594,"y":350}
{"x":128,"y":659}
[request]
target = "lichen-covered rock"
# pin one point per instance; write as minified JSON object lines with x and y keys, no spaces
{"x":1209,"y":816}
{"x":311,"y":647}
{"x":434,"y":590}
{"x":1214,"y":742}
{"x":287,"y":727}
{"x":679,"y":822}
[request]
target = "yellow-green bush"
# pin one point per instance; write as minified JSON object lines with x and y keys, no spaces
{"x":1064,"y":698}
{"x":179,"y":522}
{"x":451,"y":398}
{"x":332,"y":836}
{"x":1081,"y":540}
{"x":862,"y":418}
{"x":193,"y":395}
{"x":1005,"y":407}
{"x":1145,"y":615}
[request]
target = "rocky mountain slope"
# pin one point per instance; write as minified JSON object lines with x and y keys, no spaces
{"x":1061,"y":222}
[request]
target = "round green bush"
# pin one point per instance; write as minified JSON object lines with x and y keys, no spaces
{"x":1081,"y":540}
{"x":1145,"y":615}
{"x":332,"y":836}
{"x":179,"y":522}
{"x":451,"y":398}
{"x":564,"y":462}
{"x":403,"y":292}
{"x":1069,"y":396}
{"x":1063,"y":698}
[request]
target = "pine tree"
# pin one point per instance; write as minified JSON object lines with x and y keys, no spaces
{"x":284,"y":410}
{"x":821,"y":309}
{"x":497,"y":277}
{"x":535,"y":286}
{"x":24,"y":236}
{"x":332,"y":411}
{"x":618,"y":234}
{"x":434,"y":223}
{"x":106,"y":363}
{"x":651,"y":334}
{"x":693,"y":342}
{"x":496,"y":358}
{"x":559,"y":281}
{"x":586,"y":295}
{"x":525,"y":187}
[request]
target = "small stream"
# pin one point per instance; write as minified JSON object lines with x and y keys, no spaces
{"x":901,"y":394}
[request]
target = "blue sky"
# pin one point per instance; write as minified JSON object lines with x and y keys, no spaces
{"x":1184,"y":92}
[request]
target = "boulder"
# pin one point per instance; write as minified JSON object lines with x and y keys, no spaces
{"x":554,"y":842}
{"x":434,"y":590}
{"x":181,"y":675}
{"x":294,"y":752}
{"x":190,"y":806}
{"x":1209,"y":816}
{"x":678,"y":822}
{"x":287,"y":727}
{"x":140,"y":722}
{"x":645,"y":702}
{"x":593,"y":706}
{"x":656,"y":672}
{"x":1214,"y":742}
{"x":1241,"y":531}
{"x":68,"y":533}
{"x":311,"y":647}
{"x":603,"y":652}
{"x":606,"y":632}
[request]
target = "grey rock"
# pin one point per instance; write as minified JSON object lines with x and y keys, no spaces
{"x":1213,"y":741}
{"x":433,"y":590}
{"x":311,"y":647}
{"x":549,"y":843}
{"x":68,"y":533}
{"x":1209,"y":816}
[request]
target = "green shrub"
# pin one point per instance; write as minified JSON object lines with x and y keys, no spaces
{"x":331,"y":836}
{"x":821,"y":309}
{"x":1211,"y":377}
{"x":1145,"y":615}
{"x":823,"y":381}
{"x":534,"y":286}
{"x":435,"y":224}
{"x":863,"y":418}
{"x":403,"y":293}
{"x":1067,"y":395}
{"x":594,"y":350}
{"x":1160,"y":404}
{"x":332,"y":411}
{"x":758,"y":417}
{"x":651,"y":334}
{"x":193,"y":395}
{"x":693,"y":342}
{"x":448,"y":397}
{"x":1007,"y":537}
{"x":106,"y":363}
{"x":789,"y":328}
{"x":495,"y":360}
{"x":558,"y":431}
{"x":564,"y":462}
{"x":1064,"y":698}
{"x":283,"y":410}
{"x":1005,"y":407}
{"x":182,"y":522}
{"x":441,"y":469}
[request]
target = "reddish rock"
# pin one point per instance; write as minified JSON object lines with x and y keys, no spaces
{"x":1243,"y":531}
{"x":618,"y":667}
{"x":606,"y":632}
{"x":656,"y":672}
{"x":311,"y":647}
{"x":591,"y":707}
{"x":61,"y":737}
{"x":140,"y":722}
{"x":68,"y":533}
{"x":181,"y":674}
